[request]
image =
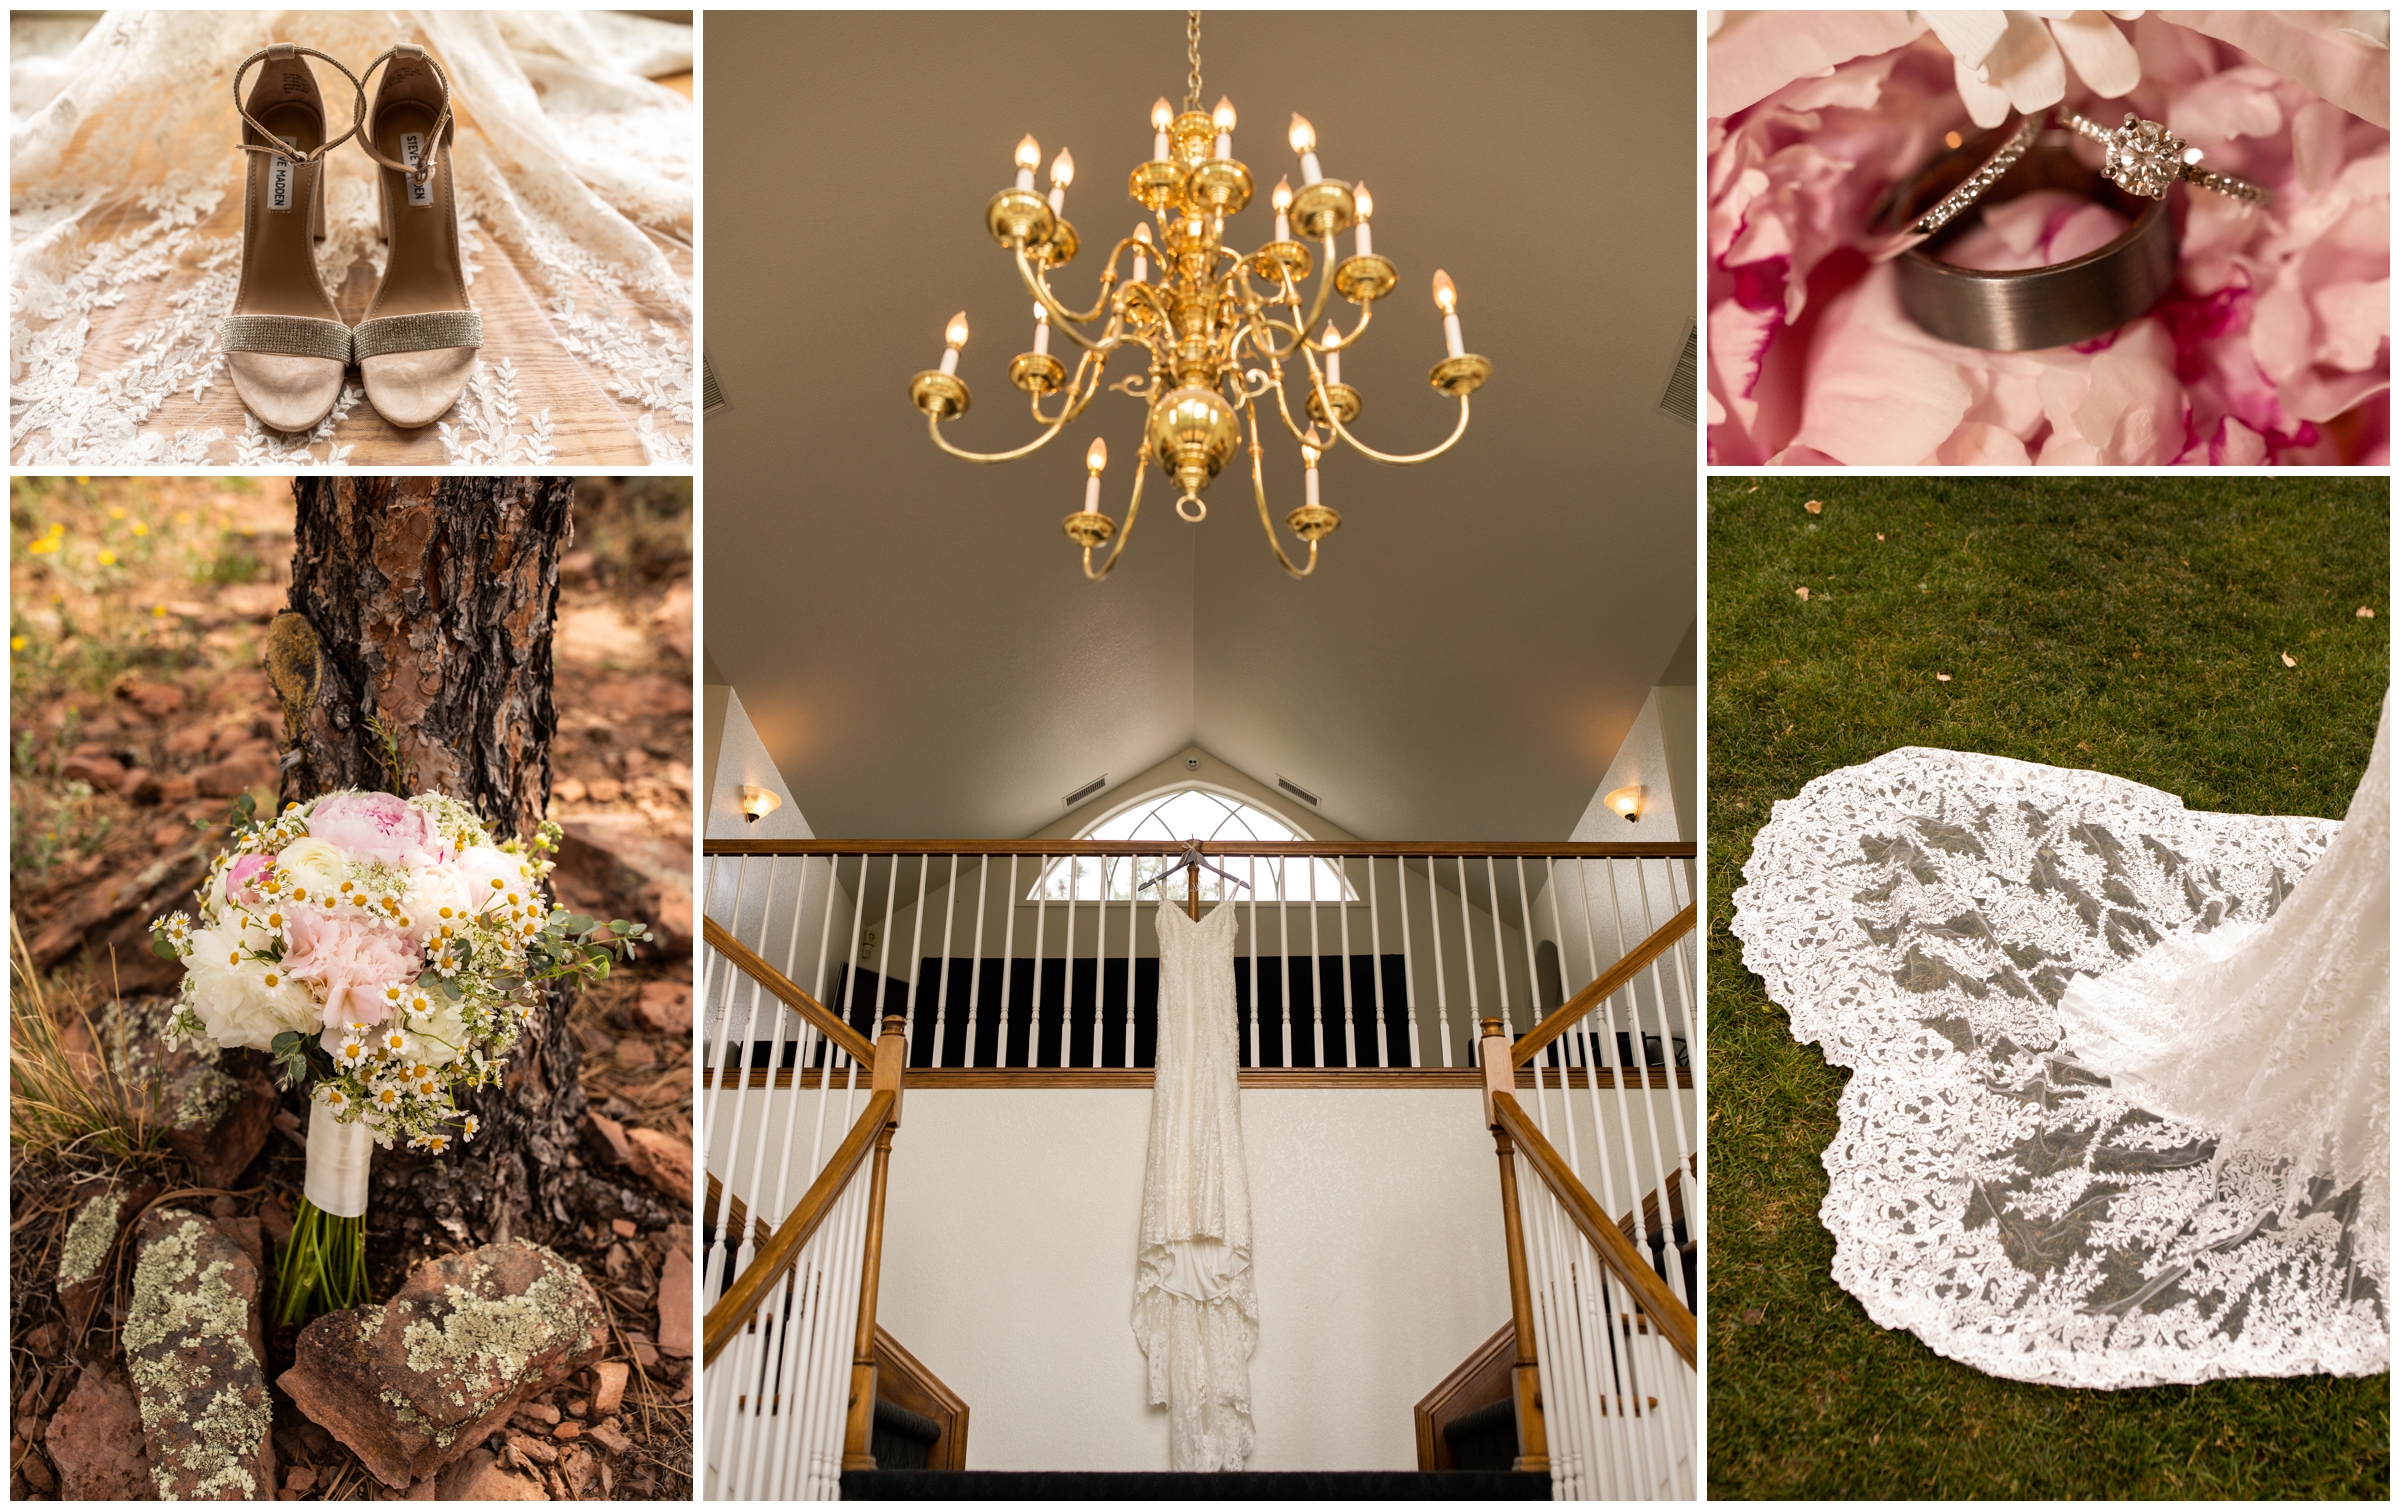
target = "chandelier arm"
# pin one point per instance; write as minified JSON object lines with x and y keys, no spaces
{"x":1366,"y":315}
{"x":1062,"y":317}
{"x":1324,"y":288}
{"x":1133,"y":510}
{"x":1258,"y":486}
{"x":1069,"y":407}
{"x":1283,"y":409}
{"x":933,"y":427}
{"x":1372,"y":454}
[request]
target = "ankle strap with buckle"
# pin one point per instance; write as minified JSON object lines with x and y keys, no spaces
{"x":358,"y":115}
{"x":441,"y":123}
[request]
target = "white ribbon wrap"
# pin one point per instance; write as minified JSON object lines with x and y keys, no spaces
{"x":338,"y":1152}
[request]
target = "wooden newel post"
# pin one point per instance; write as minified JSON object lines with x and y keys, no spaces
{"x":1500,"y":1078}
{"x":858,"y":1435}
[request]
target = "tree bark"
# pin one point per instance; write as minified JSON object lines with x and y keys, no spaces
{"x":416,"y":657}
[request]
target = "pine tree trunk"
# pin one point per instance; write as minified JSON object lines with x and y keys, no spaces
{"x":431,"y":602}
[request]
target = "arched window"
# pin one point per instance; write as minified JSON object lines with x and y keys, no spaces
{"x":1188,"y":813}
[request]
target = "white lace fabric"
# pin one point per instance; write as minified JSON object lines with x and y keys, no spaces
{"x":574,"y":192}
{"x":2218,"y":1207}
{"x":1195,"y":1307}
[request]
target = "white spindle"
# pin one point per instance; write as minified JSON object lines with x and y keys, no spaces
{"x":1383,"y":1036}
{"x":1008,"y":966}
{"x":941,"y":1000}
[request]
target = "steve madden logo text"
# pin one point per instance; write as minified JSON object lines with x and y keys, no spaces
{"x":412,"y":147}
{"x":279,"y":183}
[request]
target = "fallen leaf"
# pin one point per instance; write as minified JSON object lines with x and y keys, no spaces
{"x":1879,"y":535}
{"x":1813,"y":507}
{"x":2287,"y":659}
{"x":1803,"y":592}
{"x":2366,"y":613}
{"x":1941,"y":676}
{"x":1753,"y":1316}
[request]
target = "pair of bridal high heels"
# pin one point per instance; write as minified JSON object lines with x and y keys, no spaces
{"x":286,"y":344}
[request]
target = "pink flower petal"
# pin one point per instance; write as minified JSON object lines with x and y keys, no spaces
{"x":2098,"y":53}
{"x":2309,"y":46}
{"x":1752,"y":56}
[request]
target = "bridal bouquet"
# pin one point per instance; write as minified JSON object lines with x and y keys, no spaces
{"x":387,"y":954}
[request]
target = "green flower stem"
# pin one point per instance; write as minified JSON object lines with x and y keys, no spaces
{"x":324,"y":1266}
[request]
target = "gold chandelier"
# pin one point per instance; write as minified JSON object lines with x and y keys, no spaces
{"x":1200,"y":318}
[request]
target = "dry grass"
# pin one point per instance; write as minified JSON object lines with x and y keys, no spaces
{"x":72,"y":1102}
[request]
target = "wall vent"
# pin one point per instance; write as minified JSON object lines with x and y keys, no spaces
{"x":1087,"y":789}
{"x":1295,"y":789}
{"x":712,"y":398}
{"x":1682,"y":396}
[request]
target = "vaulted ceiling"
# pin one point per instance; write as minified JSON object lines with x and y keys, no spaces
{"x":911,"y":634}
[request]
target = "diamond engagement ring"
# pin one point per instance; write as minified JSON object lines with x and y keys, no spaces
{"x":2144,"y":157}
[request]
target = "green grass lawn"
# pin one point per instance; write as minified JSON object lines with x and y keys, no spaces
{"x":2135,"y":626}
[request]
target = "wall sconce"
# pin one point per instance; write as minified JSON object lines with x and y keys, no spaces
{"x":758,"y":802}
{"x":1626,"y":800}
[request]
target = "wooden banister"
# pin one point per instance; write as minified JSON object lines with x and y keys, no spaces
{"x":1666,"y":849}
{"x":823,"y":1018}
{"x":1671,"y":1317}
{"x":1610,"y":981}
{"x":858,"y":1430}
{"x":749,"y":1289}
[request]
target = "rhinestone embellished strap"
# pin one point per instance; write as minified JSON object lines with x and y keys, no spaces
{"x":286,"y":336}
{"x":418,"y":333}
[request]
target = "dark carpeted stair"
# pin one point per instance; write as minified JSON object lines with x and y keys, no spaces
{"x":1069,"y":1485}
{"x":903,"y":1440}
{"x":1485,"y":1439}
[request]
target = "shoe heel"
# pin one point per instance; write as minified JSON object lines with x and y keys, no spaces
{"x":383,"y":210}
{"x":316,"y":203}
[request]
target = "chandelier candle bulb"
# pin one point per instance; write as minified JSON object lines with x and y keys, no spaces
{"x":1160,"y":114}
{"x":1366,"y":233}
{"x":1095,"y":459}
{"x":1445,"y":299}
{"x":1225,"y":123}
{"x":1062,"y":173}
{"x":1141,"y":262}
{"x":1041,"y":332}
{"x":956,"y":337}
{"x":1029,"y":157}
{"x":1283,"y":205}
{"x":1333,"y":358}
{"x":1304,"y":142}
{"x":1308,"y":459}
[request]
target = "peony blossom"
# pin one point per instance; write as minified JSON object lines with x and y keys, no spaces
{"x":229,"y":989}
{"x":378,"y":826}
{"x":234,"y":882}
{"x":350,"y":960}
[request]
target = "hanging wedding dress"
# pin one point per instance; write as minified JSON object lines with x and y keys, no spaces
{"x":2119,"y":1104}
{"x":1195,"y":1311}
{"x":574,"y":177}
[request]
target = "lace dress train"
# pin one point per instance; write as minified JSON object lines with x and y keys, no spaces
{"x":2118,"y":1110}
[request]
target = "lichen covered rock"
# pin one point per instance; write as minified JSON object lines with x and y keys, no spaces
{"x":83,"y":1255}
{"x":414,"y":1384}
{"x":194,"y":1347}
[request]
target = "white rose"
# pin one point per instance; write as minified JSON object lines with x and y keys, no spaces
{"x":442,"y":1037}
{"x":231,"y":995}
{"x":318,"y":865}
{"x":429,"y":891}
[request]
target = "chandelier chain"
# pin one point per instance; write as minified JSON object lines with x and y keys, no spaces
{"x":1191,"y":33}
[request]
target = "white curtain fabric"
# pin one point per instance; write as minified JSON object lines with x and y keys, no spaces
{"x":1195,"y":1308}
{"x":2058,"y":1162}
{"x":574,"y":176}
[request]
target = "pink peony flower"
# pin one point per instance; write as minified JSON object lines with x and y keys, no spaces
{"x":2274,"y":346}
{"x":378,"y":826}
{"x":238,"y":877}
{"x":351,"y":961}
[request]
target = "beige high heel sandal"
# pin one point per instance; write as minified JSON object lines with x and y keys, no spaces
{"x":285,"y":344}
{"x":417,"y":345}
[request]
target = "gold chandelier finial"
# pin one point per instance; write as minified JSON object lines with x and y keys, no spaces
{"x":1204,"y":313}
